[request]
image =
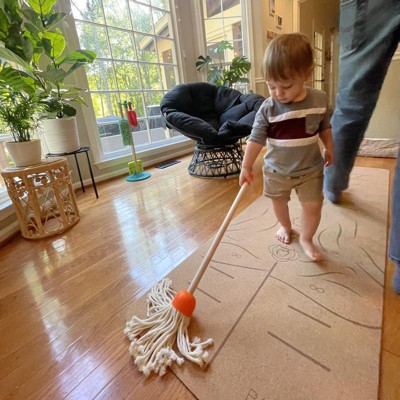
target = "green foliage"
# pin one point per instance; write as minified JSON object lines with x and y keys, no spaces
{"x":19,"y":109}
{"x":219,"y":74}
{"x":31,"y":38}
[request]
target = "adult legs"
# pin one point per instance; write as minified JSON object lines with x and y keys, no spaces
{"x":281,"y":210}
{"x":310,"y":222}
{"x":369,"y":34}
{"x":394,"y":246}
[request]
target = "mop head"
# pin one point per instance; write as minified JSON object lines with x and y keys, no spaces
{"x":152,"y":339}
{"x":125,"y":131}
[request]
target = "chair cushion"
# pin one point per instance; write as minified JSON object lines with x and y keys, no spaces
{"x":210,"y":114}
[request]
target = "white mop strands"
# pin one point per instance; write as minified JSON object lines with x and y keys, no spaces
{"x":153,"y":338}
{"x":168,"y":318}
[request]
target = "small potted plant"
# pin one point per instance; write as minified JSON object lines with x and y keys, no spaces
{"x":20,"y":117}
{"x":31,"y":39}
{"x":218,"y":73}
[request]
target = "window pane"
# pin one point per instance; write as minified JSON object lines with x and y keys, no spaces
{"x":169,"y":76}
{"x":160,"y":4}
{"x":105,"y":105}
{"x":137,"y":102}
{"x":145,"y":48}
{"x":162,"y":23}
{"x":87,"y":10}
{"x":101,"y":76}
{"x":116,"y":13}
{"x":150,"y":76}
{"x":223,"y":23}
{"x":166,"y":49}
{"x":218,"y":7}
{"x":214,"y":29}
{"x":213,"y":7}
{"x":152,"y":99}
{"x":94,"y":37}
{"x":127,"y":75}
{"x":122,"y":46}
{"x":229,"y":5}
{"x":141,"y":18}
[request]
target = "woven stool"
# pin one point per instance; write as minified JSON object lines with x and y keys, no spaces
{"x":43,"y":197}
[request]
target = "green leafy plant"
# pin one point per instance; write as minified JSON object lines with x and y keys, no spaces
{"x":19,"y":110}
{"x":30,"y":38}
{"x":20,"y":105}
{"x":220,"y":74}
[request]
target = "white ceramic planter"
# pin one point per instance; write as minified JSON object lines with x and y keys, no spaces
{"x":25,"y":154}
{"x":61,"y":135}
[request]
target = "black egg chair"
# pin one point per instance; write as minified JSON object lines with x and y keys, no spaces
{"x":217,"y":119}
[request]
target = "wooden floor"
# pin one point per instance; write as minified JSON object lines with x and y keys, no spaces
{"x":63,"y":300}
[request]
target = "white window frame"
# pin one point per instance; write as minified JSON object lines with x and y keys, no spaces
{"x":247,"y":36}
{"x":88,"y":124}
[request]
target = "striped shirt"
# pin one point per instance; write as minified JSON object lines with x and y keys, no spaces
{"x":291,"y":133}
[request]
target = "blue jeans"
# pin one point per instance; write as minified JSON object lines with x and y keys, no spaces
{"x":369,"y":35}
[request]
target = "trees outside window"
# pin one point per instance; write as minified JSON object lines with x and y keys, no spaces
{"x":137,"y":62}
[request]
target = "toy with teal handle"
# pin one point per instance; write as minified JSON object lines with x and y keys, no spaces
{"x":136,"y":170}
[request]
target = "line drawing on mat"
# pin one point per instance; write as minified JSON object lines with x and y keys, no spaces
{"x":238,"y":266}
{"x":320,"y":241}
{"x":309,"y":316}
{"x":243,"y":248}
{"x":300,"y":352}
{"x":270,"y":227}
{"x":321,"y":274}
{"x":343,"y":286}
{"x":371,"y":259}
{"x":249,"y":219}
{"x":327,"y":309}
{"x":241,"y":315}
{"x":369,"y":275}
{"x":208,"y":295}
{"x":221,"y":272}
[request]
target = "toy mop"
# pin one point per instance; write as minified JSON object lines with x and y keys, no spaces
{"x":135,"y":167}
{"x":168,"y":317}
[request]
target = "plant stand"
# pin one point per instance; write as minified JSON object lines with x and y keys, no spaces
{"x":43,"y":198}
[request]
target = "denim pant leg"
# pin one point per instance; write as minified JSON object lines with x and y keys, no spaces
{"x":369,"y":34}
{"x":394,"y":246}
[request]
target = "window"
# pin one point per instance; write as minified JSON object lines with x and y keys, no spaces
{"x":136,"y":62}
{"x":223,"y":21}
{"x":318,"y":78}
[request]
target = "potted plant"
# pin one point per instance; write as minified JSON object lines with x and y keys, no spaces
{"x":220,"y":74}
{"x":32,"y":39}
{"x":20,"y":117}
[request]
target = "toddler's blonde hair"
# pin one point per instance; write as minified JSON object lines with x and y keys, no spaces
{"x":288,"y":56}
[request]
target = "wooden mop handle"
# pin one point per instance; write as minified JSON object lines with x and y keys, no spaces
{"x":217,"y":240}
{"x":134,"y":155}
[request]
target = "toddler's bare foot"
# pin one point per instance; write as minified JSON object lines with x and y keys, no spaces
{"x":283,"y":234}
{"x":311,"y":251}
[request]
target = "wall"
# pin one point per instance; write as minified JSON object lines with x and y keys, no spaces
{"x":385,"y":121}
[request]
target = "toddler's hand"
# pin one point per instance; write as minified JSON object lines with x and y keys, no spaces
{"x":246,"y":175}
{"x":328,"y":158}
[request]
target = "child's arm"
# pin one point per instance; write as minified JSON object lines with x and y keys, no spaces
{"x":252,"y":151}
{"x":327,"y":141}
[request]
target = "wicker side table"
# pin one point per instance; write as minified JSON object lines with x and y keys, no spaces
{"x":43,"y":197}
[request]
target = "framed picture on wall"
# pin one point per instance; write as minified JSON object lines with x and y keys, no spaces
{"x":272,"y":7}
{"x":279,"y":22}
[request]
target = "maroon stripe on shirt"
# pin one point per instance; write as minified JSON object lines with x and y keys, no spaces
{"x":294,"y":128}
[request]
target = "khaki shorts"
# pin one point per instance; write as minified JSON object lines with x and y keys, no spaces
{"x":279,"y":187}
